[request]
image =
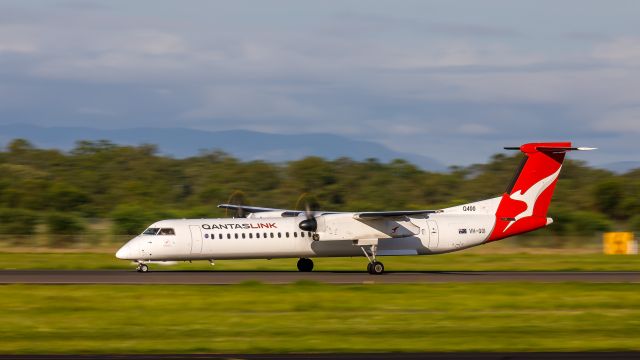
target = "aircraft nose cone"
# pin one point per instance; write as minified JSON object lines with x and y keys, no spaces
{"x":123,"y":253}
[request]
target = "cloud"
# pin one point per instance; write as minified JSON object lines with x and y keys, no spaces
{"x":147,"y":42}
{"x":411,"y":80}
{"x":367,"y":23}
{"x":252,"y":102}
{"x":623,"y":51}
{"x":455,"y":54}
{"x":472,"y":30}
{"x":474,"y":129}
{"x":623,"y":120}
{"x":17,"y":39}
{"x":125,"y":55}
{"x":95,"y":111}
{"x":589,"y":36}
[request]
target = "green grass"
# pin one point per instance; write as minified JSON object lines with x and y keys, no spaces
{"x":446,"y":262}
{"x":310,"y":317}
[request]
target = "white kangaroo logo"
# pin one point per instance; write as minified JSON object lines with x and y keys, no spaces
{"x":530,"y":197}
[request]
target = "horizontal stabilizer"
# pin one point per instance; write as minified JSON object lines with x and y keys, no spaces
{"x":527,"y":148}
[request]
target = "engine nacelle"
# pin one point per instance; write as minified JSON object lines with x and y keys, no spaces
{"x":265,"y":214}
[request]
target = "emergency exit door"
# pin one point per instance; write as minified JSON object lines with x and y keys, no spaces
{"x":433,"y":234}
{"x":196,"y":239}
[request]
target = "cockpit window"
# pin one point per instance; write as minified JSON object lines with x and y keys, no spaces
{"x":151,"y":231}
{"x":166,"y":231}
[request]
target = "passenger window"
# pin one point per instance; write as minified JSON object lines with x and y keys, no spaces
{"x":236,"y":235}
{"x":206,"y":236}
{"x":250,"y":236}
{"x":265,"y":235}
{"x":228,"y":236}
{"x":220,"y":236}
{"x":243,"y":235}
{"x":258,"y":236}
{"x":309,"y":233}
{"x":295,"y":234}
{"x":271,"y":235}
{"x":286,"y":234}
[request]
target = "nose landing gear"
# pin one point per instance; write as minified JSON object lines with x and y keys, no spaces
{"x":142,"y":268}
{"x":305,"y":265}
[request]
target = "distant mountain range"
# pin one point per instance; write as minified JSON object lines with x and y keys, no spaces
{"x":243,"y":144}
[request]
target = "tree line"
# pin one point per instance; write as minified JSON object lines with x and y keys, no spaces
{"x":128,"y":187}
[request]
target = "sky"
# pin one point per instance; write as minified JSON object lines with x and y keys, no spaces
{"x":453,"y":80}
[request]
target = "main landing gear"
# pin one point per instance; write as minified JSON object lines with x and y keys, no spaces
{"x":374,"y":267}
{"x":142,"y":268}
{"x":305,"y":265}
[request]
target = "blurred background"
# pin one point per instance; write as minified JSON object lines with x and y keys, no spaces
{"x":116,"y":114}
{"x":98,"y":194}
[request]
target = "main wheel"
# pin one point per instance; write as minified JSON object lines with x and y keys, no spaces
{"x":142,"y":268}
{"x":305,"y":265}
{"x":375,"y":268}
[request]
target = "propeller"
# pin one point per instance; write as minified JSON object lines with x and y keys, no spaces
{"x":236,"y":198}
{"x":310,"y":223}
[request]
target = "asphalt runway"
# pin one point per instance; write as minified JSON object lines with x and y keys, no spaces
{"x":287,"y":277}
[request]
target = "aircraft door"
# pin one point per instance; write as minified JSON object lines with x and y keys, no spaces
{"x":433,"y":234}
{"x":196,"y":239}
{"x":147,"y":244}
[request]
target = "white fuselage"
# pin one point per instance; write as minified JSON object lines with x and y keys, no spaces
{"x":270,"y":235}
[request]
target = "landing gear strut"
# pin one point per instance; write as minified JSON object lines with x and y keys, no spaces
{"x":142,"y":268}
{"x":305,"y":265}
{"x":374,"y":267}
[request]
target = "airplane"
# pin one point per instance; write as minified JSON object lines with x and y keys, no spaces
{"x":266,"y":233}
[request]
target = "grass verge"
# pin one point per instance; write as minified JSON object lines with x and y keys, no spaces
{"x":309,"y":317}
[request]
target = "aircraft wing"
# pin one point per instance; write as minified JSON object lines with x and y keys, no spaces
{"x":285,"y":212}
{"x":247,"y":209}
{"x":372,"y":215}
{"x":369,"y":215}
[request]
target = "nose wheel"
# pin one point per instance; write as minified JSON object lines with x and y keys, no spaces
{"x":142,"y":268}
{"x":305,"y":265}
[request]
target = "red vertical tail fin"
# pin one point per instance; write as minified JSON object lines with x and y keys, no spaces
{"x":524,"y":205}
